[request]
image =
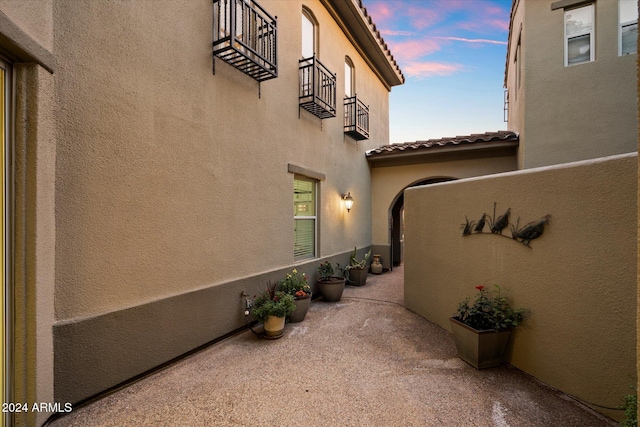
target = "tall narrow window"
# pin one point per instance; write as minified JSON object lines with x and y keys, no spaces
{"x":309,"y":39}
{"x":627,"y":27}
{"x":349,"y":74}
{"x":304,"y":217}
{"x":579,"y":35}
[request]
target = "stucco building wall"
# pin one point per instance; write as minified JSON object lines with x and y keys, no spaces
{"x":170,"y":188}
{"x":569,"y":113}
{"x":578,"y":280}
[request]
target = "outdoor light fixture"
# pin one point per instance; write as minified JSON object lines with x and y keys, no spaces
{"x":348,"y":201}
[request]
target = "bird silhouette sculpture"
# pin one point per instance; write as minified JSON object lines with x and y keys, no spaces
{"x":523,"y":235}
{"x":480,"y":224}
{"x":533,"y":230}
{"x":501,"y":223}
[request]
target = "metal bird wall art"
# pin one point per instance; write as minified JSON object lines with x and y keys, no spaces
{"x":524,"y":235}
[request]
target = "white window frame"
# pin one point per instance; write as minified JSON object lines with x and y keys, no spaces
{"x":591,"y":33}
{"x":308,"y":16}
{"x":349,"y":78}
{"x":313,"y":217}
{"x":621,"y":25}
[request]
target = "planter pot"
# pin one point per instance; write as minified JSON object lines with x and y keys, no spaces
{"x":273,"y":326}
{"x":376,"y":265}
{"x":480,"y":349}
{"x":302,"y":306}
{"x":332,"y":289}
{"x":358,"y":276}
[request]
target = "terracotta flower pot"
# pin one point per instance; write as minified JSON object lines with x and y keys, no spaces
{"x":302,"y":306}
{"x":480,"y":349}
{"x":273,"y":326}
{"x":332,"y":289}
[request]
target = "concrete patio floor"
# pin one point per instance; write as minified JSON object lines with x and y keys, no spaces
{"x":364,"y":361}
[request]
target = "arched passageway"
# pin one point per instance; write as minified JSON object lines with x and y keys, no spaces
{"x":396,"y":220}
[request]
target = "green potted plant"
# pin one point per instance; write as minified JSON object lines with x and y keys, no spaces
{"x":356,"y":271}
{"x":271,"y":308}
{"x":330,"y":285}
{"x":296,"y":284}
{"x":481,"y":329}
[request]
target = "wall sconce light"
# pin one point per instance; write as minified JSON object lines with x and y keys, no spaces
{"x":348,"y":201}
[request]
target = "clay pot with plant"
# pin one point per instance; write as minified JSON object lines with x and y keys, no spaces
{"x":330,"y":285}
{"x":296,"y":284}
{"x":481,"y":329}
{"x":271,"y":308}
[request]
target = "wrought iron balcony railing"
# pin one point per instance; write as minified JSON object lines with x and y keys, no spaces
{"x":356,"y":118}
{"x":244,"y":36}
{"x":317,"y":88}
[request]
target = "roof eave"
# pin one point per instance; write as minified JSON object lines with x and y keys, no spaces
{"x":357,"y":25}
{"x":427,"y":151}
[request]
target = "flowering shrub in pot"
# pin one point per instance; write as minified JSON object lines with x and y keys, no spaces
{"x":481,"y":329}
{"x":272,"y":307}
{"x":296,"y":284}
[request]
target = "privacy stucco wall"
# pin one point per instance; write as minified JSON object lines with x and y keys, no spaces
{"x":388,"y":182}
{"x":571,"y":113}
{"x":578,"y":281}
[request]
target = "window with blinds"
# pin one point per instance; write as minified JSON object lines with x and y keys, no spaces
{"x":304,"y":217}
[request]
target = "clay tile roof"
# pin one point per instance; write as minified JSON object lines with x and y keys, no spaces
{"x":478,"y":139}
{"x":381,"y":41}
{"x":354,"y":19}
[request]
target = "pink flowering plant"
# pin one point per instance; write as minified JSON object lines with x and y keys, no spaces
{"x":490,"y":310}
{"x":296,"y":284}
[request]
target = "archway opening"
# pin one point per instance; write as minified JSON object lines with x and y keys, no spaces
{"x":396,"y":220}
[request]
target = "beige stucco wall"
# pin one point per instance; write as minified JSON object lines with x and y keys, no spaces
{"x":578,"y":281}
{"x":166,"y":189}
{"x":170,"y":178}
{"x":172,"y":186}
{"x":516,"y":75}
{"x":33,"y":16}
{"x":571,"y":113}
{"x":388,"y":183}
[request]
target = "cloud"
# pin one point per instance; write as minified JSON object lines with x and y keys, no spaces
{"x":430,"y":69}
{"x":421,"y":17}
{"x":412,"y":49}
{"x":466,"y":40}
{"x":380,"y":12}
{"x":397,"y":33}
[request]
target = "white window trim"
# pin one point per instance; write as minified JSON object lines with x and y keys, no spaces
{"x":313,"y":217}
{"x":620,"y":26}
{"x":315,"y":42}
{"x":592,"y":38}
{"x":350,"y":81}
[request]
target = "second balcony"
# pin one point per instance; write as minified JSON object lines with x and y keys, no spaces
{"x":317,"y":88}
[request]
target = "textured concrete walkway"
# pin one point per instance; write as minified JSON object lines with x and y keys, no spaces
{"x":364,"y":361}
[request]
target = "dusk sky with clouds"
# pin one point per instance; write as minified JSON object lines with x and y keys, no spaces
{"x":452,"y":54}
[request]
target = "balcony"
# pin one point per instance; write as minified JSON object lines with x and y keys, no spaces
{"x":356,"y":118}
{"x":317,"y":88}
{"x":244,"y":36}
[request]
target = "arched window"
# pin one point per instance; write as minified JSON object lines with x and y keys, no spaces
{"x":309,"y":34}
{"x":349,"y":78}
